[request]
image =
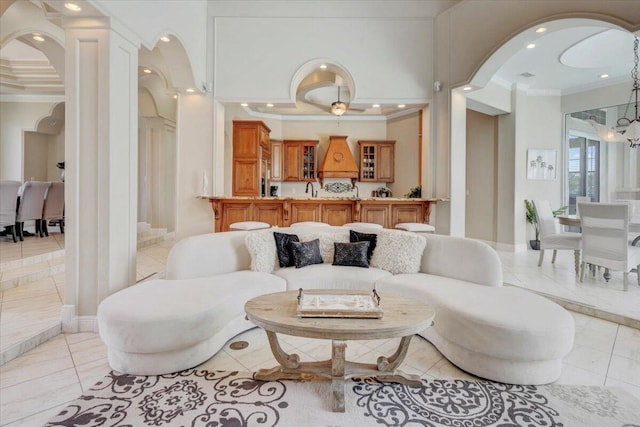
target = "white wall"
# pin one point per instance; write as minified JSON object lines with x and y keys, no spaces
{"x":389,"y":59}
{"x":16,"y":117}
{"x":404,"y":131}
{"x":36,"y":155}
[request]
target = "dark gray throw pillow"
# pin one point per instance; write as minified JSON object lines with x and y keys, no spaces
{"x":353,"y":254}
{"x":354,"y":236}
{"x":306,"y":253}
{"x":283,"y":247}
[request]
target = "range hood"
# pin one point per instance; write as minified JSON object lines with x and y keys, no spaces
{"x":338,"y":162}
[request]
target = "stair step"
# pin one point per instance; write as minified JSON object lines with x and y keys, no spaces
{"x":31,"y":269}
{"x":14,"y":350}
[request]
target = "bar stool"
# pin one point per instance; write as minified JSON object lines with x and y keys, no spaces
{"x":310,"y":224}
{"x":248,"y":226}
{"x":416,"y":227}
{"x":366,"y":227}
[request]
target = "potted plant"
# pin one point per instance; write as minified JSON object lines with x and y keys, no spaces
{"x":533,"y":220}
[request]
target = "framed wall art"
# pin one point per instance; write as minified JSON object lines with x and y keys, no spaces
{"x":541,"y":164}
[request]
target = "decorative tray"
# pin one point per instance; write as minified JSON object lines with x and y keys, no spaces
{"x":339,"y":303}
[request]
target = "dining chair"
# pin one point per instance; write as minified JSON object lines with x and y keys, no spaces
{"x":8,"y":204}
{"x":30,"y":206}
{"x":581,"y":199}
{"x":605,"y":229}
{"x":53,"y":208}
{"x":552,"y":238}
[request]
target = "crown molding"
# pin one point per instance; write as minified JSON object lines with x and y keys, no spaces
{"x":31,"y":98}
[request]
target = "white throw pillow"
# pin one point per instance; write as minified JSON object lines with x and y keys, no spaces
{"x":262,"y":247}
{"x":398,"y":252}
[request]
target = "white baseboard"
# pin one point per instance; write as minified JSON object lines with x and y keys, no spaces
{"x":71,"y":323}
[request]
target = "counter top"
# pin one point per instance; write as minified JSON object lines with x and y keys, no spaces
{"x":388,"y":199}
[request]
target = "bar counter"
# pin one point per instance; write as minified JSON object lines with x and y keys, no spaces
{"x":284,"y":211}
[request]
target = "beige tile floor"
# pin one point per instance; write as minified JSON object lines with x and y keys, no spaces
{"x":36,"y":385}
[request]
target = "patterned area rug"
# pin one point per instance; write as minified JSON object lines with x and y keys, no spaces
{"x":202,"y":398}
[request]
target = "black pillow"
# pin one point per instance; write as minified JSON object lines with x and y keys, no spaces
{"x":354,"y":236}
{"x":306,"y":253}
{"x":283,"y":247}
{"x":353,"y":254}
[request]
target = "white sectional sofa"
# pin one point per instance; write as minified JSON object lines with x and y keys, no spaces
{"x":499,"y":333}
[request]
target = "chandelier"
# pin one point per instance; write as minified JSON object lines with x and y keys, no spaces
{"x":632,"y":132}
{"x":338,"y":108}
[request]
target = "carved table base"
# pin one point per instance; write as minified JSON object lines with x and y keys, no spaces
{"x":334,"y":369}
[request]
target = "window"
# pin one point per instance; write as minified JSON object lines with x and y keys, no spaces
{"x":583,"y":169}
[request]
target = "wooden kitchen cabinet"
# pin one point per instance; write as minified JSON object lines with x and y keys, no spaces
{"x":337,"y":213}
{"x":276,"y":160}
{"x":377,"y":160}
{"x":375,"y":214}
{"x":407,"y":212}
{"x":300,"y":160}
{"x":305,"y":211}
{"x":251,"y":157}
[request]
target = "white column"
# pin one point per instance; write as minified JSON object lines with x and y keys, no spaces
{"x":458,"y":164}
{"x":101,"y":86}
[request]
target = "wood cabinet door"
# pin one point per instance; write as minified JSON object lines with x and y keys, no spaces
{"x":245,"y":141}
{"x":246,"y":178}
{"x":276,"y":161}
{"x":406,"y":213}
{"x":271,"y":213}
{"x":235,"y":212}
{"x":385,"y":162}
{"x":305,"y":211}
{"x":376,"y":214}
{"x":292,"y":162}
{"x":337,"y":213}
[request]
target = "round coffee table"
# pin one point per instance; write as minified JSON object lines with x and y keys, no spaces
{"x":276,"y":313}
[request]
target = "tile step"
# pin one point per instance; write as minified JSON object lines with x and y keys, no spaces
{"x":29,"y":277}
{"x":30,"y":343}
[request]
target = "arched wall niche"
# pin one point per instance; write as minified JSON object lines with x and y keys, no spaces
{"x":312,"y":66}
{"x":54,"y":122}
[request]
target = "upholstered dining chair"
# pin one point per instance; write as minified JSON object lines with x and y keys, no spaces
{"x":8,"y":203}
{"x":605,"y":230}
{"x":581,"y":199}
{"x":552,"y":238}
{"x":53,"y":209}
{"x":31,"y":203}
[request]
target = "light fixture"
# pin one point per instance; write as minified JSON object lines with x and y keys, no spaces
{"x":165,"y":39}
{"x":401,"y":105}
{"x":323,"y":66}
{"x":338,"y":108}
{"x":38,"y":37}
{"x":244,"y":104}
{"x":146,"y":71}
{"x":376,"y":105}
{"x":269,"y":105}
{"x":191,"y":90}
{"x":541,"y":30}
{"x":604,"y":76}
{"x":632,"y":132}
{"x":467,"y":88}
{"x":531,"y":45}
{"x":72,"y":7}
{"x":175,"y":96}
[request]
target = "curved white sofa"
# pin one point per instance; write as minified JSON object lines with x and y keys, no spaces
{"x":499,"y":333}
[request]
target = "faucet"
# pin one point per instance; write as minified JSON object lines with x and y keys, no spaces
{"x":306,"y":190}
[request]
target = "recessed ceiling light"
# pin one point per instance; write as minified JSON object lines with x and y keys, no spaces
{"x":165,"y":39}
{"x":401,"y":105}
{"x":146,"y":71}
{"x":269,"y":105}
{"x":467,"y":88}
{"x":38,"y":37}
{"x":376,"y":105}
{"x":191,"y":90}
{"x":604,"y":76}
{"x":73,"y":7}
{"x":175,"y":96}
{"x":244,"y":104}
{"x":541,"y":30}
{"x":323,"y":66}
{"x":531,"y":45}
